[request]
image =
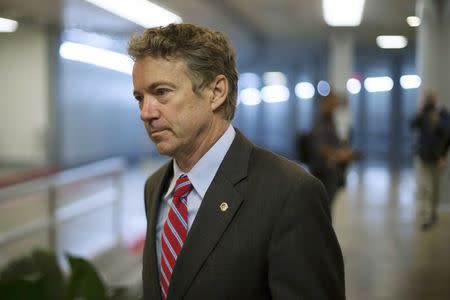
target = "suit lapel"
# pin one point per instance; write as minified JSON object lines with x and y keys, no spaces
{"x":159,"y":185}
{"x":211,"y":221}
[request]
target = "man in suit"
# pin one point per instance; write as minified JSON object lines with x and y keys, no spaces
{"x":226,"y":219}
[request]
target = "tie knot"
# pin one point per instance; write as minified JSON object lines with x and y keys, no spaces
{"x":182,"y":187}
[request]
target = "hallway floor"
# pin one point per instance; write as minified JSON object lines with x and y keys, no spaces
{"x":387,"y":255}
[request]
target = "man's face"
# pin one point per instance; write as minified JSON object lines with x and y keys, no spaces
{"x":176,"y":118}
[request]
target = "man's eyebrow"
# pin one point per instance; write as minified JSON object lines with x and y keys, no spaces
{"x":154,"y":85}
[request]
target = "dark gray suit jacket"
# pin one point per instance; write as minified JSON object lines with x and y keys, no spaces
{"x":275,"y":241}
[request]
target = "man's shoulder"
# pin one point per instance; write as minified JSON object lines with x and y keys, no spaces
{"x":266,"y":162}
{"x":278,"y":180}
{"x":270,"y":164}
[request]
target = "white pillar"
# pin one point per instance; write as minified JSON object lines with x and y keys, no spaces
{"x":340,"y":68}
{"x":340,"y":61}
{"x":445,"y":52}
{"x":433,"y":49}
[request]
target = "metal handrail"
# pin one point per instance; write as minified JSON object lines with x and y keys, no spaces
{"x":96,"y":169}
{"x":113,"y":167}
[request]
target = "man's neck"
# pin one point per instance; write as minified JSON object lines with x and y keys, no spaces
{"x":187,"y":161}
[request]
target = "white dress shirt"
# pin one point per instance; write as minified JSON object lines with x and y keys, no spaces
{"x":201,"y":176}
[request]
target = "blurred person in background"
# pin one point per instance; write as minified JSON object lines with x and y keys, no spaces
{"x":330,"y":155}
{"x":432,"y":125}
{"x":226,"y":219}
{"x":343,"y":120}
{"x":344,"y":128}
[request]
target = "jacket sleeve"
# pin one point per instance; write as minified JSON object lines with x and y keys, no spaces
{"x":416,"y":122}
{"x":304,"y":258}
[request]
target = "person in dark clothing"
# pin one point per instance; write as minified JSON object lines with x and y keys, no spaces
{"x":433,"y":140}
{"x":328,"y":152}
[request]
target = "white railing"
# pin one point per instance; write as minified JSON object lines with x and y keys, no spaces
{"x":76,"y":211}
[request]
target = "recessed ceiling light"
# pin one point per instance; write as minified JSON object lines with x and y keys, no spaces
{"x":7,"y":25}
{"x":413,"y":21}
{"x":410,"y":81}
{"x":304,"y":90}
{"x":274,"y":78}
{"x":141,"y":12}
{"x":391,"y":41}
{"x":323,"y":88}
{"x":353,"y":86}
{"x":343,"y":13}
{"x":250,"y":96}
{"x":275,"y":93}
{"x":378,"y":84}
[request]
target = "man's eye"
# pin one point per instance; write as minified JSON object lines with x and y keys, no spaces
{"x":138,"y":98}
{"x":162,"y":92}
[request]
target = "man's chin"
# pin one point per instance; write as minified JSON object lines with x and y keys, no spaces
{"x":164,"y":149}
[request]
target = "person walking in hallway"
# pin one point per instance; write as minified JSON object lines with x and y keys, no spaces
{"x":433,"y":136}
{"x":225,"y":218}
{"x":330,"y":156}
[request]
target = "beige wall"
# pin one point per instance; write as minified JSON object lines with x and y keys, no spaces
{"x":24,"y":95}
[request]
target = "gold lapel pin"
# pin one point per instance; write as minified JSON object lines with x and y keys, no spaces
{"x":223,"y":206}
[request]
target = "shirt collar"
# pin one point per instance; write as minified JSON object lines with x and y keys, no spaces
{"x":203,"y":172}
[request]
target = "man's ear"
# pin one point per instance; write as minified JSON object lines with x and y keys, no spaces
{"x":219,"y":88}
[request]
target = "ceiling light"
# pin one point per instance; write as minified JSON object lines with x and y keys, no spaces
{"x":378,"y":84}
{"x":413,"y":21}
{"x":96,"y":56}
{"x":344,"y":13}
{"x":250,"y":96}
{"x":353,"y":86}
{"x":7,"y":25}
{"x":323,"y":88}
{"x":274,"y":78}
{"x":410,"y":81}
{"x":275,"y":93}
{"x":304,"y":90}
{"x":392,"y":41}
{"x":141,"y":12}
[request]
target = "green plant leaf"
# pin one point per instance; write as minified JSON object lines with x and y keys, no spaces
{"x":20,"y":289}
{"x":39,"y":277}
{"x":33,"y":277}
{"x":21,"y":268}
{"x":52,"y":280}
{"x":84,"y":282}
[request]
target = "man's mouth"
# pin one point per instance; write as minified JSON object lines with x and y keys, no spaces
{"x":156,"y":131}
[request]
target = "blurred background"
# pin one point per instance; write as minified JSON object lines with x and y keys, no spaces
{"x":74,"y":155}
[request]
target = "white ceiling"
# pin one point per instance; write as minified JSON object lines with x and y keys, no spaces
{"x":241,"y":19}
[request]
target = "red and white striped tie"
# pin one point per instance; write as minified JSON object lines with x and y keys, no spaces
{"x":174,"y":232}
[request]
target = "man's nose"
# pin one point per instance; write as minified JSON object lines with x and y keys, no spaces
{"x":149,"y":109}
